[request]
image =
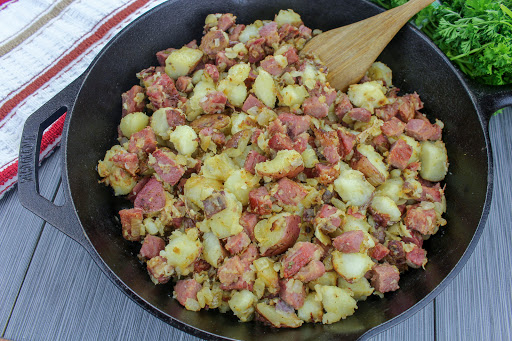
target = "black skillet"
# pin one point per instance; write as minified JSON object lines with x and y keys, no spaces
{"x":93,"y":110}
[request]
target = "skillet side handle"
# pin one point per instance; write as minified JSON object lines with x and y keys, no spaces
{"x":62,"y":217}
{"x":491,"y":98}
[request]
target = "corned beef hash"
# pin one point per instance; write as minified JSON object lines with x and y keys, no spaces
{"x":262,"y":190}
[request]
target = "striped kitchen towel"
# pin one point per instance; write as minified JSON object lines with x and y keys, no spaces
{"x":44,"y":46}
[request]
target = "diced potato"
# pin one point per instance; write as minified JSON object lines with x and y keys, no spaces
{"x":184,"y":139}
{"x":266,"y":272}
{"x":159,"y":123}
{"x":198,"y":188}
{"x":213,"y":252}
{"x":416,"y":148}
{"x":312,"y":310}
{"x":310,"y":158}
{"x":211,"y":19}
{"x":293,"y":95}
{"x":240,"y":183}
{"x":133,"y":123}
{"x":278,"y":318}
{"x":211,"y":297}
{"x":235,"y":92}
{"x":249,"y":32}
{"x":352,"y":223}
{"x":153,"y":226}
{"x":182,"y":250}
{"x":368,"y":95}
{"x":226,"y":222}
{"x":105,"y":166}
{"x":238,"y":73}
{"x":392,"y":188}
{"x":235,"y":51}
{"x":311,"y":75}
{"x":181,"y":62}
{"x":276,"y":234}
{"x":353,"y":187}
{"x":337,"y":303}
{"x":218,"y":167}
{"x":265,"y":89}
{"x":266,"y":116}
{"x":351,"y":266}
{"x":286,"y":162}
{"x":328,"y":278}
{"x":242,"y":304}
{"x":385,"y":205}
{"x":380,"y":72}
{"x":200,"y":90}
{"x":121,"y":181}
{"x":287,"y":17}
{"x":360,"y":289}
{"x":375,"y":158}
{"x":240,"y":121}
{"x":434,"y":161}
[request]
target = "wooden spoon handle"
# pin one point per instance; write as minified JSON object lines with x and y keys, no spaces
{"x":350,"y":50}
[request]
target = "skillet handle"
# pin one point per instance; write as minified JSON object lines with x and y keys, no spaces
{"x":62,"y":217}
{"x":491,"y":98}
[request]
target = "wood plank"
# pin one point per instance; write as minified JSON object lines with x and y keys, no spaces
{"x":477,"y":305}
{"x":78,"y":303}
{"x":19,"y":233}
{"x":419,"y":327}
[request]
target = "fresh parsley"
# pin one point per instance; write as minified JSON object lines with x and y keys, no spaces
{"x":476,"y":35}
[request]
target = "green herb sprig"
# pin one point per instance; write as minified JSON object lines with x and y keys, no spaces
{"x":476,"y":35}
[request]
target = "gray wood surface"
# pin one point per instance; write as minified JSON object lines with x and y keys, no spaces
{"x":42,"y":301}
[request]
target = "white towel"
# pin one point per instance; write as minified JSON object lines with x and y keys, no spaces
{"x":44,"y":46}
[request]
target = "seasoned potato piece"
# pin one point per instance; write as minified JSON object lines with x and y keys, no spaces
{"x":351,"y":266}
{"x":133,"y":123}
{"x":265,"y":89}
{"x":287,"y":17}
{"x":159,"y":123}
{"x":240,"y":183}
{"x":250,"y":31}
{"x":368,"y":95}
{"x":434,"y":161}
{"x":213,"y":252}
{"x":380,"y":72}
{"x":360,"y":289}
{"x":328,"y":278}
{"x":238,"y":73}
{"x":392,"y":188}
{"x":312,"y":310}
{"x":352,"y":223}
{"x":266,"y":272}
{"x":182,"y":250}
{"x":416,"y":148}
{"x":310,"y":158}
{"x":293,"y":95}
{"x":226,"y":222}
{"x":337,"y":302}
{"x":379,"y":172}
{"x":198,"y":188}
{"x":276,"y":234}
{"x":242,"y":304}
{"x":218,"y":167}
{"x":181,"y":62}
{"x":286,"y":163}
{"x":311,"y":75}
{"x":120,"y":180}
{"x":385,"y":205}
{"x":278,"y":318}
{"x":353,"y":188}
{"x":184,"y":139}
{"x":200,"y":90}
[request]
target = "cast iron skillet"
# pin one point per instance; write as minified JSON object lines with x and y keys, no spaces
{"x":93,"y":108}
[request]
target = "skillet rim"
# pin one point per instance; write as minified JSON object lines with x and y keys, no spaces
{"x":367,"y":334}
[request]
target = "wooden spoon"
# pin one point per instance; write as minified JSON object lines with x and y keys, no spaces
{"x":350,"y":50}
